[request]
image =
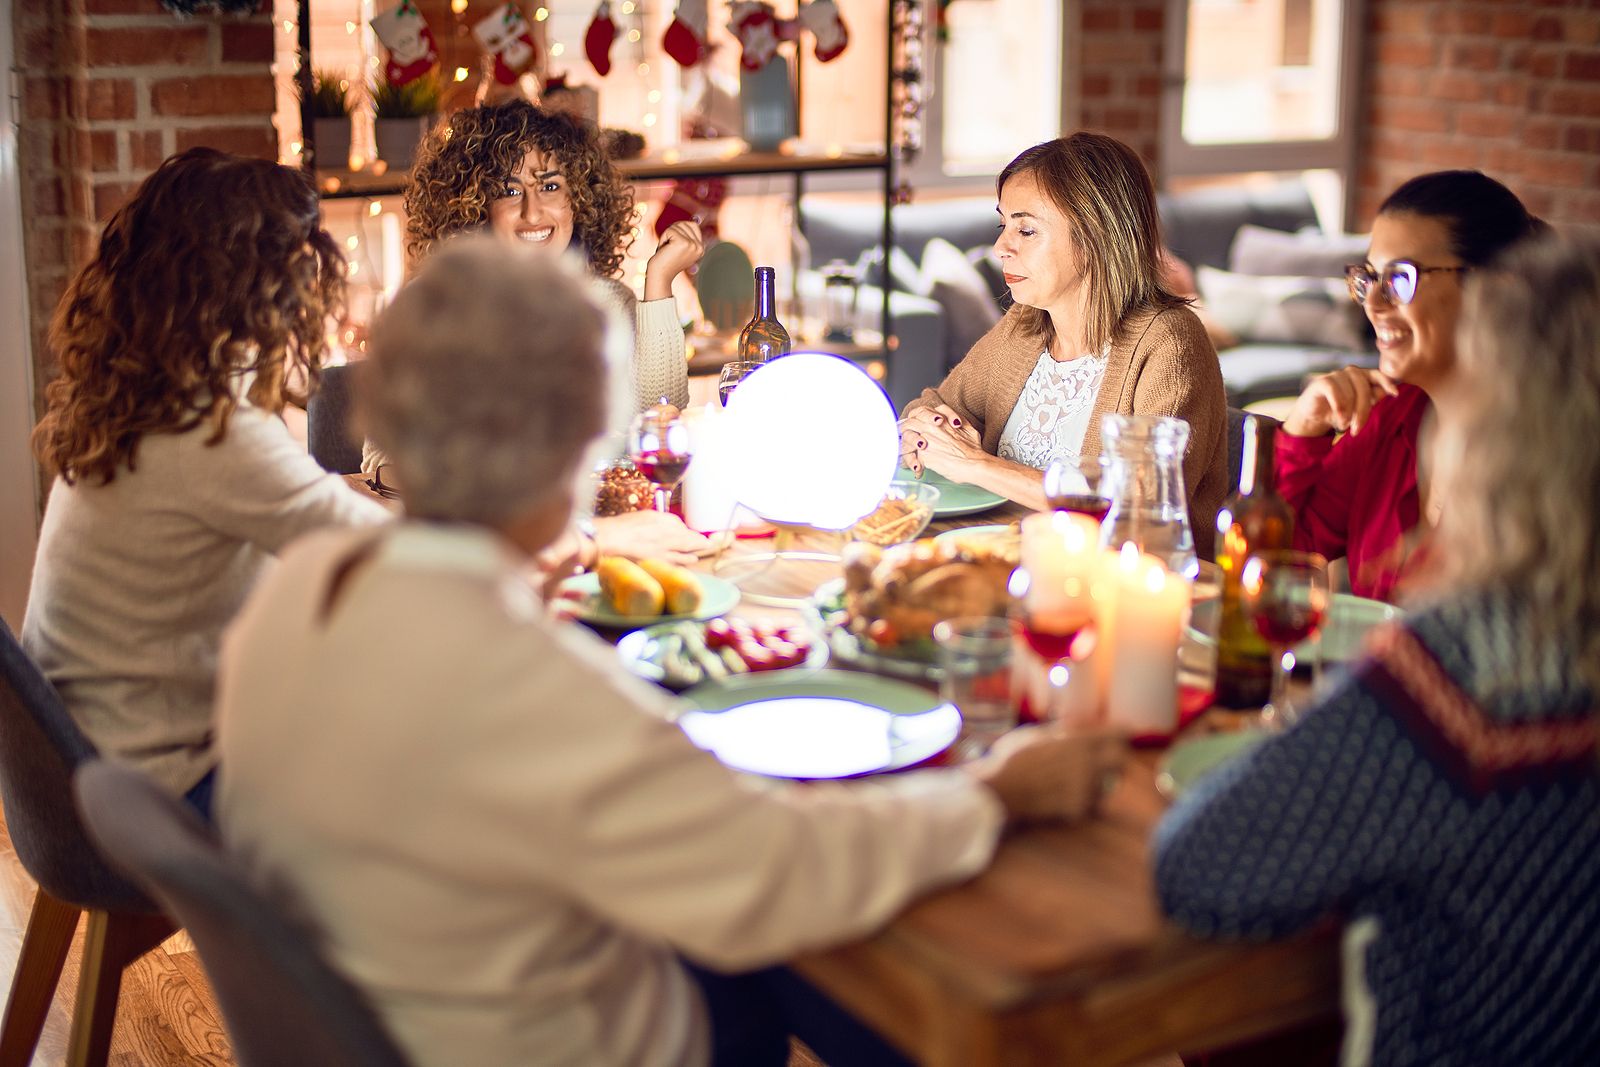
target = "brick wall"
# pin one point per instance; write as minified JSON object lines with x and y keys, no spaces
{"x":109,"y":89}
{"x":1511,"y":88}
{"x":1119,"y":88}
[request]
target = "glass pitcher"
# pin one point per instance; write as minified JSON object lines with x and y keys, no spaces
{"x":1144,"y":481}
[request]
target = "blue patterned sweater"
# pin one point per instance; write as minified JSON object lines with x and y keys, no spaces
{"x":1444,"y":799}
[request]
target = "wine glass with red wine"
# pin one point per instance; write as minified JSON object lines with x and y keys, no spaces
{"x":1286,"y":595}
{"x":658,"y":444}
{"x":1073,"y":483}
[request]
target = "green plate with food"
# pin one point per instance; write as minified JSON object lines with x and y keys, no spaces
{"x":718,"y":596}
{"x":818,"y":725}
{"x":955,"y":498}
{"x":1191,"y":761}
{"x":680,"y":655}
{"x":826,"y":613}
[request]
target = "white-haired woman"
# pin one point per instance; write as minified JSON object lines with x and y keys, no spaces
{"x":503,"y":835}
{"x":1445,"y":798}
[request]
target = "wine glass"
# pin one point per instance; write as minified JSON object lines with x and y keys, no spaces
{"x":1073,"y":483}
{"x":1286,"y":595}
{"x":658,"y":444}
{"x":732,"y":374}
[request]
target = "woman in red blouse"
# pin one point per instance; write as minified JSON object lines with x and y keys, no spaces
{"x":1365,"y":495}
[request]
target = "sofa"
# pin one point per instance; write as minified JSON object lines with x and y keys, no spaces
{"x":1270,"y":284}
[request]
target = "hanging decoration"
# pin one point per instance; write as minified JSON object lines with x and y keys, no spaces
{"x":226,"y":7}
{"x":685,"y":39}
{"x":598,"y":38}
{"x":908,"y":84}
{"x":507,"y":37}
{"x":693,"y":199}
{"x":405,"y":33}
{"x":822,"y":18}
{"x":759,"y":30}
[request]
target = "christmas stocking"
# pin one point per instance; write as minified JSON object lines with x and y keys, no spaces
{"x":404,"y":32}
{"x":597,"y":39}
{"x":506,"y":36}
{"x":821,"y":17}
{"x":756,"y":27}
{"x":699,"y":198}
{"x":685,"y":40}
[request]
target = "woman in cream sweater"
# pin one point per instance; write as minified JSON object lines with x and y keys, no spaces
{"x":1093,"y":331}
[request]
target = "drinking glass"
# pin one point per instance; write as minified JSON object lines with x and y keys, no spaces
{"x":1072,"y":483}
{"x":732,"y":374}
{"x":1286,"y":595}
{"x":1197,"y":648}
{"x":658,"y":444}
{"x":975,"y":654}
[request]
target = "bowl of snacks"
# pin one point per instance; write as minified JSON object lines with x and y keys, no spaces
{"x":902,"y":515}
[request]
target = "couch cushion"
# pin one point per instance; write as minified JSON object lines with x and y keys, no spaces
{"x":1198,"y":225}
{"x":836,"y":230}
{"x":1253,"y":372}
{"x":1316,"y":311}
{"x":1307,"y":254}
{"x":970,"y":310}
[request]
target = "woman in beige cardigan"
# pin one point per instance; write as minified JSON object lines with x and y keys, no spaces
{"x":1093,"y":331}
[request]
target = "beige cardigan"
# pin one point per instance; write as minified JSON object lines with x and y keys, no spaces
{"x":1162,"y":363}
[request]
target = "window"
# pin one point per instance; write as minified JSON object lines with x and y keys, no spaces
{"x":984,"y":124}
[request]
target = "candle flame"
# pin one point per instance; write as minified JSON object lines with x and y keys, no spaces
{"x":1129,"y":558}
{"x":1155,"y":577}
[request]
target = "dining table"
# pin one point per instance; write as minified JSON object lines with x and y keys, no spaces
{"x":1057,"y":953}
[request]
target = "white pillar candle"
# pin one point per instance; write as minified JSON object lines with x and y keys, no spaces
{"x":710,"y":500}
{"x":1146,"y":622}
{"x":1059,"y":552}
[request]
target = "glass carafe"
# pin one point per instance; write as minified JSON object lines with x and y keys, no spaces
{"x":1144,"y":481}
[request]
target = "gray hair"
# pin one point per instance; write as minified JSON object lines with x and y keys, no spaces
{"x":490,"y":380}
{"x":1523,"y":511}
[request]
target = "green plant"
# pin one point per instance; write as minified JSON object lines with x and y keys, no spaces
{"x":415,"y":99}
{"x":329,"y":99}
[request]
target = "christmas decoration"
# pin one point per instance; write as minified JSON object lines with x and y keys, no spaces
{"x":227,"y":7}
{"x":506,"y":36}
{"x":598,"y":37}
{"x":405,"y":33}
{"x":822,"y":18}
{"x":695,"y":199}
{"x":685,"y":39}
{"x":756,"y":26}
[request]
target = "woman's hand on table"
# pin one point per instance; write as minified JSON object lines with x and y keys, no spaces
{"x":649,"y":535}
{"x":937,"y":438}
{"x":681,"y":248}
{"x":1049,"y":772}
{"x":1339,"y":400}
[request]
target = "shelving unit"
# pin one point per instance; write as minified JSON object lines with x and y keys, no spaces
{"x":335,"y":183}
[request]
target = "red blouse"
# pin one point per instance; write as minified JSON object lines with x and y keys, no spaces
{"x":1357,"y":497}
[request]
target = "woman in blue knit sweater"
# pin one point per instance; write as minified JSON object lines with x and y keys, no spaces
{"x":1444,"y":799}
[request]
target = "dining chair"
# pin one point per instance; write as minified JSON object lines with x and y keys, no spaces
{"x":330,"y":423}
{"x":1236,"y":417}
{"x":284,"y":1006}
{"x":40,"y":747}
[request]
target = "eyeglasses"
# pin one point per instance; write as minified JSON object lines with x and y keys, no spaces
{"x":1399,"y":279}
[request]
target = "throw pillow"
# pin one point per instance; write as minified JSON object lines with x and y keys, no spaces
{"x":969,"y":309}
{"x":1307,"y":254}
{"x":1315,"y":311}
{"x":903,"y":273}
{"x":994,"y":275}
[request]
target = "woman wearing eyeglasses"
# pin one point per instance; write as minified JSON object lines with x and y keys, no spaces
{"x":1362,"y":495}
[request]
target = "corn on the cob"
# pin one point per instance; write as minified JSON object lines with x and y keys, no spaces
{"x":681,"y":587}
{"x":627,"y":589}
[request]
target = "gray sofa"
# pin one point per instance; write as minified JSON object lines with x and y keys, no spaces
{"x":935,"y":330}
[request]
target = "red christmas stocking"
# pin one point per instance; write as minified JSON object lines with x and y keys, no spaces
{"x":685,"y":39}
{"x":698,"y":198}
{"x":598,"y":37}
{"x":756,"y":26}
{"x":821,"y":17}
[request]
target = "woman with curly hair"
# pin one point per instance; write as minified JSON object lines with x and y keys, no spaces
{"x":176,"y":478}
{"x":541,"y":178}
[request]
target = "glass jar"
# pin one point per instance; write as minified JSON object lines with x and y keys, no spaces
{"x":840,"y":287}
{"x":1144,"y":481}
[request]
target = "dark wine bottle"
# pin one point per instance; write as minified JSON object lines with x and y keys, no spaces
{"x":764,"y":337}
{"x":1255,"y":519}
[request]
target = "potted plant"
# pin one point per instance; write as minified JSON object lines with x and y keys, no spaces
{"x":330,"y":119}
{"x":402,"y":115}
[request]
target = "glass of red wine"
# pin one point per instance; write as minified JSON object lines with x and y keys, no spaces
{"x":1286,"y":595}
{"x":1073,"y":483}
{"x":658,"y":444}
{"x":732,"y":374}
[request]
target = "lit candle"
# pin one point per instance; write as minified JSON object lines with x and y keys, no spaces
{"x":1145,"y":623}
{"x":1059,"y":552}
{"x":710,"y":503}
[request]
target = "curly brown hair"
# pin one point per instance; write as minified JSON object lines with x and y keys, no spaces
{"x":216,"y":270}
{"x":463,"y":167}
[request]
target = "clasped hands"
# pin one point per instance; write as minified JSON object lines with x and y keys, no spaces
{"x":937,"y":438}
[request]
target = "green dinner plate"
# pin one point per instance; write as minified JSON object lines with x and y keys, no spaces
{"x":641,"y":649}
{"x":1349,"y":619}
{"x":955,"y":498}
{"x":1191,"y":761}
{"x":999,"y":531}
{"x":815,"y":725}
{"x":720,"y":597}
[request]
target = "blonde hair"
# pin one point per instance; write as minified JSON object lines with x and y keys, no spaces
{"x":1104,"y":191}
{"x":1523,"y":489}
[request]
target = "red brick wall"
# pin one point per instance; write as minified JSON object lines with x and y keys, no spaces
{"x":1511,"y":88}
{"x":109,"y":89}
{"x":1119,"y":79}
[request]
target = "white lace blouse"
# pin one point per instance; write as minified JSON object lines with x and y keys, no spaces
{"x":1052,"y":414}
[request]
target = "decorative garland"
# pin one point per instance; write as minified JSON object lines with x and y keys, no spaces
{"x":195,"y":7}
